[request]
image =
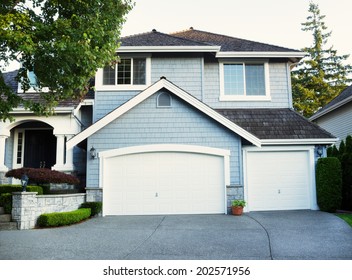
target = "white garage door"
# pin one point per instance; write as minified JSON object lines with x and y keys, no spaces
{"x":278,"y":180}
{"x":163,"y":183}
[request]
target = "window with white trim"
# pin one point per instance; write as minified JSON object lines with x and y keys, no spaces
{"x":128,"y":71}
{"x":244,"y":81}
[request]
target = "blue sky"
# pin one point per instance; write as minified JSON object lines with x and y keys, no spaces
{"x":276,"y":22}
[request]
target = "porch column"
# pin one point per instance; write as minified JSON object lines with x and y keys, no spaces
{"x":3,"y":167}
{"x":69,"y":156}
{"x":60,"y":151}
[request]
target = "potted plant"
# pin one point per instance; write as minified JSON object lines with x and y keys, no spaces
{"x":237,"y":207}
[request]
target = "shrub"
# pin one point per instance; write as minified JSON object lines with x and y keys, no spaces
{"x":6,"y":202}
{"x":95,"y":207}
{"x":43,"y":176}
{"x":17,"y":188}
{"x":63,"y":218}
{"x":346,"y":165}
{"x":328,"y":180}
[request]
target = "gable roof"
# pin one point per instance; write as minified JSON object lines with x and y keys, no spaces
{"x":344,"y":97}
{"x":195,"y":40}
{"x":162,"y":83}
{"x":275,"y":126}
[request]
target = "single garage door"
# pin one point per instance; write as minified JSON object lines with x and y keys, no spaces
{"x":278,"y":180}
{"x":163,"y":183}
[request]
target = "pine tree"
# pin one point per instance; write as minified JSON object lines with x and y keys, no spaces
{"x":322,"y":74}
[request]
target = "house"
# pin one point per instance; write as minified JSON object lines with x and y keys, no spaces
{"x":336,"y":116}
{"x":183,"y":124}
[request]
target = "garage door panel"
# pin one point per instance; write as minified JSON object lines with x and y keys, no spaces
{"x":278,"y":180}
{"x":166,"y":183}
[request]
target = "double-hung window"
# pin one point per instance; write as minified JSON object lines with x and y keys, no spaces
{"x":244,"y":81}
{"x":127,"y":72}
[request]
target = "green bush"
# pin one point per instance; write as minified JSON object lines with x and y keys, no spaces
{"x":63,"y":218}
{"x":329,"y":182}
{"x":95,"y":207}
{"x":18,"y":188}
{"x":346,"y":165}
{"x":6,"y":202}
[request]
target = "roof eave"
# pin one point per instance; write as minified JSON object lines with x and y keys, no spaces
{"x":57,"y":110}
{"x":310,"y":141}
{"x":148,"y":49}
{"x":255,"y":54}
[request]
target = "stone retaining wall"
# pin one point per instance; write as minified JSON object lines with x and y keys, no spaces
{"x":28,"y":206}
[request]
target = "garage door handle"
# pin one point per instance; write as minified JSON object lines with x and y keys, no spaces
{"x":156,"y":194}
{"x":279,"y":191}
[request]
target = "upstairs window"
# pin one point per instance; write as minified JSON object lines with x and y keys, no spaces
{"x":244,"y":81}
{"x":128,"y":71}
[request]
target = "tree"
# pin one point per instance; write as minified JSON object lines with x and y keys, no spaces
{"x":63,"y":42}
{"x":322,"y":74}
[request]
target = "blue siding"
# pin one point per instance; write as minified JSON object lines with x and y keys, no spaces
{"x":181,"y":124}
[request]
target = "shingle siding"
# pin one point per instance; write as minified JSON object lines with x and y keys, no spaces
{"x":181,"y":124}
{"x":338,"y":122}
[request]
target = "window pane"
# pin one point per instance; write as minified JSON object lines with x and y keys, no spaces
{"x":124,"y":72}
{"x":32,"y":78}
{"x":109,"y":75}
{"x":139,"y":71}
{"x":255,"y":82}
{"x":233,"y":79}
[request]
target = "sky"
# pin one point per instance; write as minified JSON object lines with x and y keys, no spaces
{"x":276,"y":22}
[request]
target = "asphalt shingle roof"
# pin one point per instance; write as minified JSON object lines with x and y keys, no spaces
{"x":275,"y":124}
{"x":192,"y":37}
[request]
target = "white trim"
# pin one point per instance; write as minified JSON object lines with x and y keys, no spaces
{"x":244,"y":97}
{"x":155,"y":148}
{"x":15,"y":148}
{"x":309,"y":149}
{"x":331,"y":108}
{"x":162,"y":83}
{"x":128,"y":49}
{"x":313,"y":141}
{"x":261,"y":54}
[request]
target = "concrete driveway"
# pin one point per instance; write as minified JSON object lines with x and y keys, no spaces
{"x":255,"y":235}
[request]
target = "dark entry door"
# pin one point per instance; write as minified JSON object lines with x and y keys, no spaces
{"x":39,"y":149}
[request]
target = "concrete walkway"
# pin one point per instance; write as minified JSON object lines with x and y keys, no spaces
{"x":255,"y":235}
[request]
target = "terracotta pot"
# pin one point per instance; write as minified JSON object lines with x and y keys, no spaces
{"x":237,"y":210}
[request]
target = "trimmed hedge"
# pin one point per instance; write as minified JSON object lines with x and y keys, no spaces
{"x":18,"y":188}
{"x":63,"y":218}
{"x":95,"y":207}
{"x":329,"y":183}
{"x":6,"y":202}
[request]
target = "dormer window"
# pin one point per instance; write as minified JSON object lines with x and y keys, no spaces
{"x":128,"y":71}
{"x":244,"y":81}
{"x":164,"y":100}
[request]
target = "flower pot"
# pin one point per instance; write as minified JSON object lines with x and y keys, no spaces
{"x":237,"y":210}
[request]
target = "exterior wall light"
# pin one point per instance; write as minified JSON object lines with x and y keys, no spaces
{"x":93,"y":153}
{"x":320,"y":151}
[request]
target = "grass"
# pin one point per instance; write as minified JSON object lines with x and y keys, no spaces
{"x":346,"y":217}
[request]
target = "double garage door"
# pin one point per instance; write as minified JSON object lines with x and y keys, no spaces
{"x":163,"y":182}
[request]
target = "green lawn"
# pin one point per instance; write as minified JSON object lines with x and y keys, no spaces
{"x":346,"y":217}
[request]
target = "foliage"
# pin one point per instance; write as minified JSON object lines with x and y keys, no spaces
{"x":238,"y":203}
{"x":6,"y":202}
{"x":63,"y":218}
{"x":328,"y":181}
{"x":43,"y":176}
{"x":322,"y":74}
{"x":62,"y":42}
{"x":18,"y":188}
{"x":346,"y":217}
{"x":95,"y":207}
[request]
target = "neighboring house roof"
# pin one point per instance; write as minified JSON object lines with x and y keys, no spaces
{"x":344,"y":97}
{"x":10,"y":79}
{"x":278,"y":125}
{"x":162,"y":83}
{"x":200,"y":41}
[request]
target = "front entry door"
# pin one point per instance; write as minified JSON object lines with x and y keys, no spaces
{"x":39,"y":149}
